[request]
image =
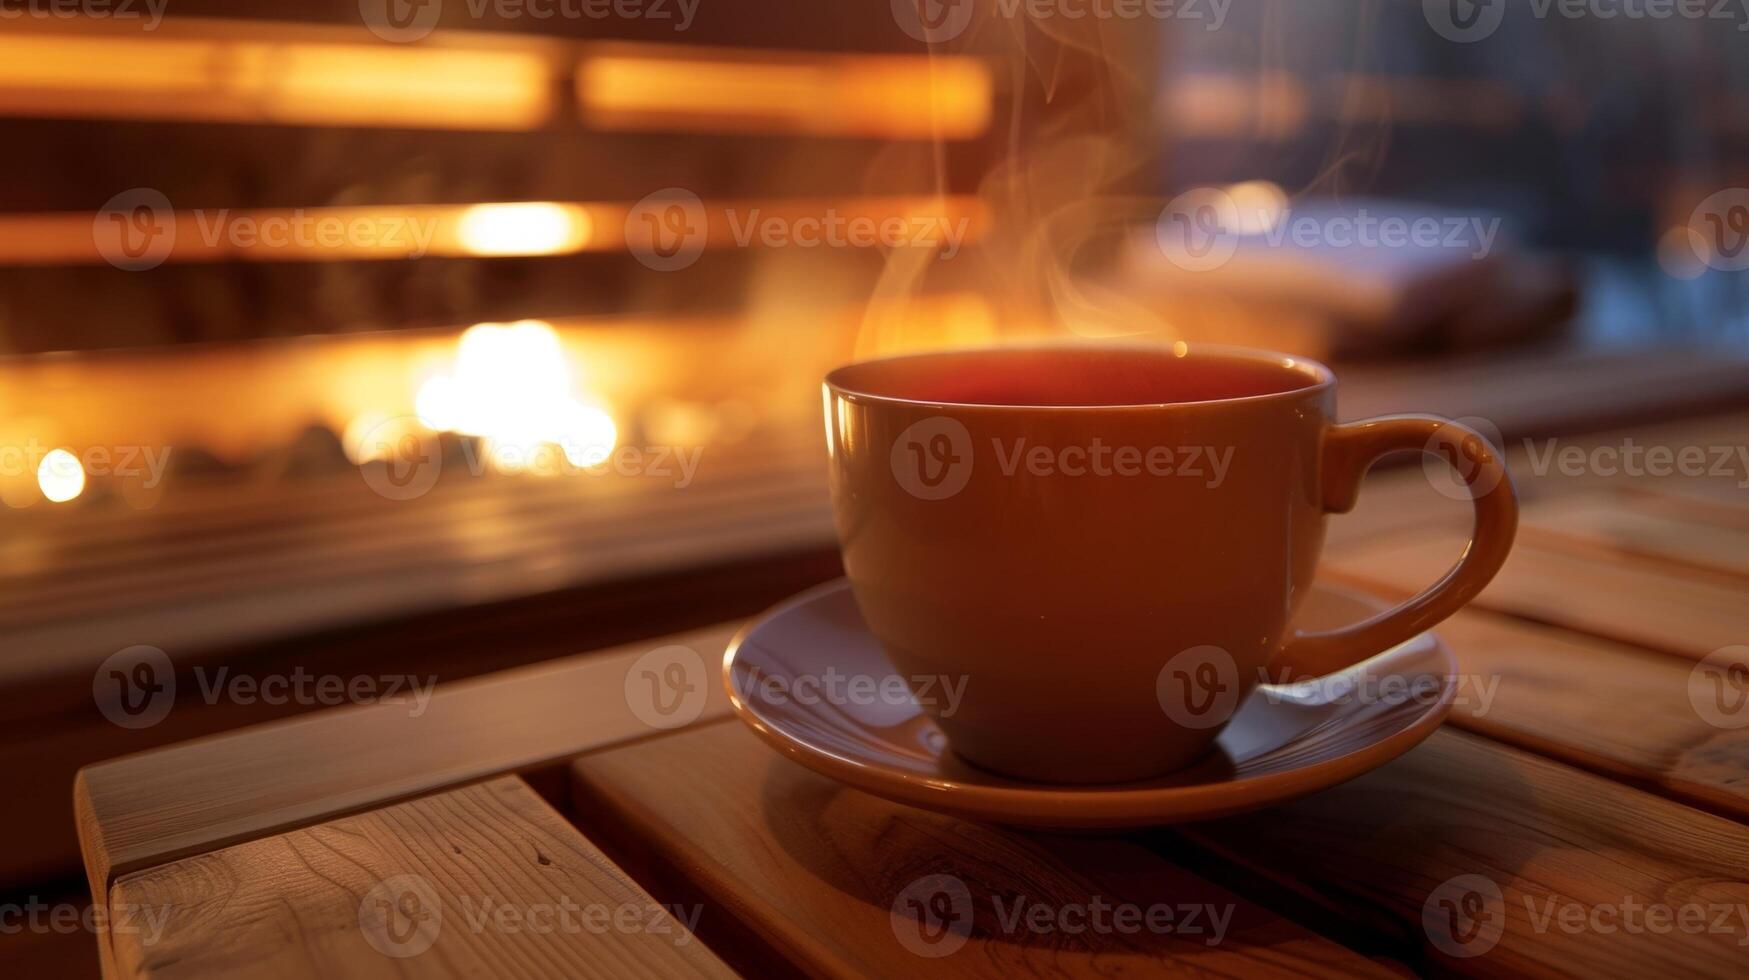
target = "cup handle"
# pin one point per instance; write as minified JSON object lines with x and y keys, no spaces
{"x":1348,"y":452}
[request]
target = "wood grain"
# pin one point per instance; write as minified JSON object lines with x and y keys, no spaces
{"x":1617,"y":710}
{"x":1384,"y":848}
{"x":1648,"y":604}
{"x":155,"y":807}
{"x":517,"y":892}
{"x":263,"y":573}
{"x":816,"y":871}
{"x":1628,"y":528}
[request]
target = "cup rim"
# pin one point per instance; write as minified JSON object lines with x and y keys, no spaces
{"x":1318,"y":376}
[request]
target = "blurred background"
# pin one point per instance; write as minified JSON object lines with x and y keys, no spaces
{"x":441,"y":336}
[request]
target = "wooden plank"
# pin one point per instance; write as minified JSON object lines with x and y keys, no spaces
{"x":486,"y":880}
{"x":1617,"y":710}
{"x":147,"y":809}
{"x":1538,"y":843}
{"x":1643,"y":603}
{"x":832,"y":879}
{"x":1627,"y":529}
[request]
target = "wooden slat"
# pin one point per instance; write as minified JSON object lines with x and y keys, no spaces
{"x":155,"y":807}
{"x":816,"y":871}
{"x":1643,"y":603}
{"x":503,"y":868}
{"x":1384,"y":850}
{"x":1629,"y":528}
{"x":1617,"y":710}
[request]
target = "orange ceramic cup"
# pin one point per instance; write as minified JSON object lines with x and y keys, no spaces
{"x":1105,"y":545}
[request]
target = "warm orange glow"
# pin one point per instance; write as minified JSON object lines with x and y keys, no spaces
{"x":228,"y":71}
{"x":523,"y":229}
{"x":897,"y":96}
{"x":332,"y":234}
{"x":511,"y":386}
{"x":60,"y":476}
{"x":219,"y":70}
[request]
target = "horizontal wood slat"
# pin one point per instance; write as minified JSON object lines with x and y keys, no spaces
{"x":155,"y":807}
{"x":826,"y":876}
{"x":482,"y":881}
{"x":1404,"y":846}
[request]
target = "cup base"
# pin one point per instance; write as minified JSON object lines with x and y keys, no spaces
{"x":1076,"y":769}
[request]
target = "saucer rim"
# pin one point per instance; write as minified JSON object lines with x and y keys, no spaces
{"x":1072,"y":806}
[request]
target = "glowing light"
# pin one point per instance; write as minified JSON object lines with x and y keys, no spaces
{"x":532,"y":228}
{"x":1260,"y":204}
{"x":262,"y":72}
{"x":898,"y":96}
{"x":60,"y":476}
{"x":511,"y":387}
{"x":437,"y":404}
{"x":589,"y":436}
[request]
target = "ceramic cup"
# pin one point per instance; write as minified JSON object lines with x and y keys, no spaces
{"x":1100,"y":548}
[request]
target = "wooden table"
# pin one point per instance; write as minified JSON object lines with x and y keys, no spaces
{"x":1583,"y":812}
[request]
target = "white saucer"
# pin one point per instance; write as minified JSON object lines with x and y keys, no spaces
{"x":1283,"y":743}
